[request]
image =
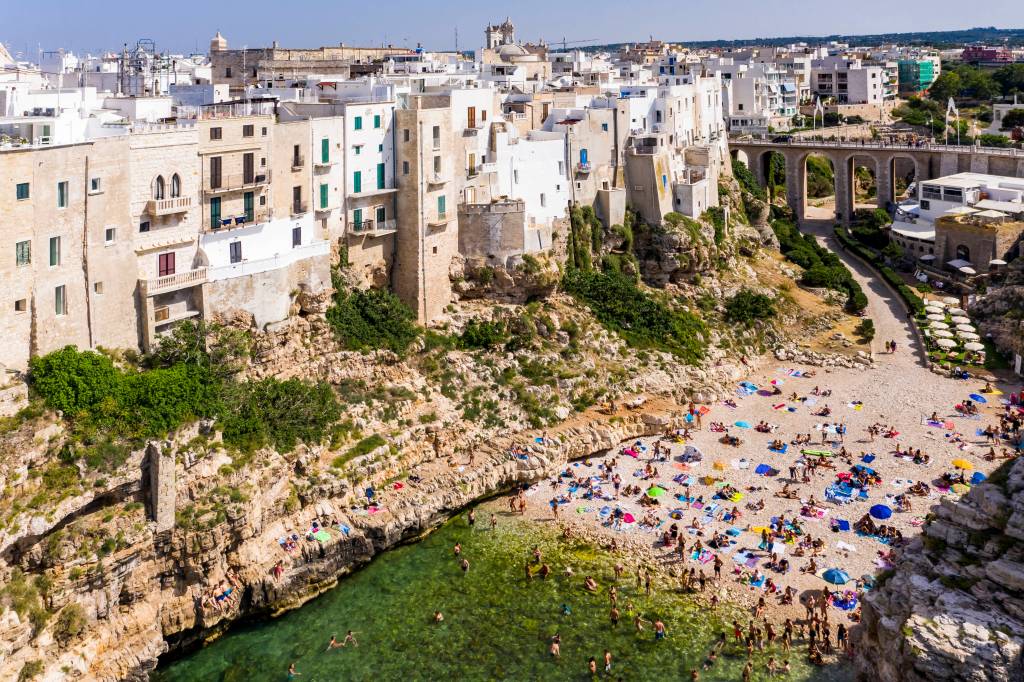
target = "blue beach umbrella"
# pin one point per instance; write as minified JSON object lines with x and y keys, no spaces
{"x":977,"y":398}
{"x":836,"y":576}
{"x":880,"y":511}
{"x":743,"y":425}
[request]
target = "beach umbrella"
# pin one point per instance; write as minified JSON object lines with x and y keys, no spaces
{"x":836,"y":576}
{"x":942,"y":334}
{"x":655,"y":491}
{"x":960,"y":488}
{"x":949,"y":300}
{"x":880,"y":511}
{"x":968,"y":271}
{"x":960,"y":319}
{"x":963,"y":464}
{"x":946,"y":343}
{"x":997,"y":261}
{"x":964,"y":327}
{"x":978,"y":398}
{"x":933,"y":310}
{"x":969,"y":336}
{"x":957,"y":311}
{"x":975,"y":346}
{"x":936,"y":317}
{"x":939,"y":325}
{"x":743,"y":424}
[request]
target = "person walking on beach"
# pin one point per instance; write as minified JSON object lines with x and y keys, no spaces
{"x":494,"y":522}
{"x":614,"y":616}
{"x":465,"y":566}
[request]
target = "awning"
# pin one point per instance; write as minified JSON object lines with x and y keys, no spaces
{"x":788,"y":87}
{"x":958,"y":263}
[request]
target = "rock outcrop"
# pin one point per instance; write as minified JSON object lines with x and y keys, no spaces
{"x":953,"y":608}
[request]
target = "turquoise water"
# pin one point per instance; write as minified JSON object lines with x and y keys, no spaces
{"x":496,"y":624}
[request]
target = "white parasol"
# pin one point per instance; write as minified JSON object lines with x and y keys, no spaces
{"x":946,"y":343}
{"x":974,"y":345}
{"x":942,"y":334}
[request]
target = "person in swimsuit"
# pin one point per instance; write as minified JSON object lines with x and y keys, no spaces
{"x":350,"y":639}
{"x":334,"y":643}
{"x":555,"y":648}
{"x":659,"y":630}
{"x":292,"y":673}
{"x":438,"y":617}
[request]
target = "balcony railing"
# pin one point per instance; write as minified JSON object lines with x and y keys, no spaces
{"x":298,"y":162}
{"x":583,"y":167}
{"x":235,"y":183}
{"x":228,"y":222}
{"x":375,"y":190}
{"x":436,"y":179}
{"x":162,"y":207}
{"x":179,"y":280}
{"x":299,"y":208}
{"x":374,"y":228}
{"x":442,"y":219}
{"x":321,"y":165}
{"x":488,"y":167}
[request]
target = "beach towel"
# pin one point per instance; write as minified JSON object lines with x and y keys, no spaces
{"x":765,"y":470}
{"x":345,"y":529}
{"x":782,"y":450}
{"x":322,"y":536}
{"x":741,"y":557}
{"x":845,"y":546}
{"x":867,"y":459}
{"x":733,"y":532}
{"x":751,"y":561}
{"x":856,"y":406}
{"x":841,"y":525}
{"x":758,"y":583}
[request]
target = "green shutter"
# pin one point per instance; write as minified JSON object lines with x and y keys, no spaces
{"x":440,"y":206}
{"x":250,"y":213}
{"x":325,"y":150}
{"x":357,"y":182}
{"x":323,"y":196}
{"x":215,"y":212}
{"x":357,"y":217}
{"x":359,"y":122}
{"x":380,"y":176}
{"x":376,"y":121}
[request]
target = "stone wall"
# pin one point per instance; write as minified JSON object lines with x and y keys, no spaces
{"x":493,"y":232}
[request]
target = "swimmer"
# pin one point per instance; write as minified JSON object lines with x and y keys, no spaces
{"x":292,"y":673}
{"x":350,"y":638}
{"x":458,"y":548}
{"x":555,"y":648}
{"x":465,"y":566}
{"x":607,"y":661}
{"x":494,"y":522}
{"x":438,"y":617}
{"x":334,"y":643}
{"x":659,"y":630}
{"x":592,"y":665}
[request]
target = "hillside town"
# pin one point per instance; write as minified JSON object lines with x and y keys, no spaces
{"x":273,"y":312}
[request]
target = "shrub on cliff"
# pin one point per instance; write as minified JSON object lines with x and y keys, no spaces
{"x":747,"y":306}
{"x":71,"y":381}
{"x":482,"y":334}
{"x":641,"y":318}
{"x":70,"y":623}
{"x":372,"y":319}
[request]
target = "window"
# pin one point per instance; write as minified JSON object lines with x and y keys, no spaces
{"x":604,"y":127}
{"x":561,"y":167}
{"x":109,"y":235}
{"x":963,"y":253}
{"x":248,"y":130}
{"x":215,"y":212}
{"x":323,"y":196}
{"x":97,"y":287}
{"x":166,"y":264}
{"x":23,"y":253}
{"x":296,"y":156}
{"x":144,"y":226}
{"x":405,"y":135}
{"x":376,"y":120}
{"x":515,"y":176}
{"x":62,"y":194}
{"x":227,"y":72}
{"x":296,"y":236}
{"x":357,"y":218}
{"x":357,"y":182}
{"x":543,"y":199}
{"x":94,"y":185}
{"x":380,"y":148}
{"x":263,"y":132}
{"x":175,"y":186}
{"x":325,"y":150}
{"x":54,"y":251}
{"x":236,"y":252}
{"x":158,"y":187}
{"x":358,"y":149}
{"x":22,"y":190}
{"x":405,"y":168}
{"x":21,"y":305}
{"x":248,"y":167}
{"x":359,"y":123}
{"x":381,"y":176}
{"x":60,"y":302}
{"x":437,"y":165}
{"x":216,"y":133}
{"x":381,"y":215}
{"x":437,"y":137}
{"x":441,"y":206}
{"x":216,"y":163}
{"x":297,"y":199}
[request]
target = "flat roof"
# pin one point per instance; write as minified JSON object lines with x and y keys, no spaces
{"x":919,"y":230}
{"x":972,"y":180}
{"x":1005,"y":206}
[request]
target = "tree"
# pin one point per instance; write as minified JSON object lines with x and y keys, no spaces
{"x":1014,"y":118}
{"x":947,"y":85}
{"x":1010,"y":78}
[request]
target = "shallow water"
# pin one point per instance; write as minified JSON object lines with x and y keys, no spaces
{"x":497,"y":625}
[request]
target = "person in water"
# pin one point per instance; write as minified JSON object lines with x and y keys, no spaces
{"x":350,"y":638}
{"x":555,"y":648}
{"x":438,"y":617}
{"x":292,"y":672}
{"x":334,"y":643}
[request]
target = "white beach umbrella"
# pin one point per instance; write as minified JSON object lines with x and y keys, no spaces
{"x":933,"y":310}
{"x":939,"y":325}
{"x":968,"y":336}
{"x":946,"y":343}
{"x":965,"y":328}
{"x":949,"y":300}
{"x":942,"y":334}
{"x":935,"y":317}
{"x":973,"y":345}
{"x":960,"y":319}
{"x":957,"y":311}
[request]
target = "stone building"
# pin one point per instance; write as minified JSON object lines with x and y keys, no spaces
{"x":976,"y":239}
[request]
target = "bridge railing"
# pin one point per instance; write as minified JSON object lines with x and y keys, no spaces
{"x":878,"y":144}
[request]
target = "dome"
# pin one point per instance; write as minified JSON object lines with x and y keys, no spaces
{"x":510,"y":50}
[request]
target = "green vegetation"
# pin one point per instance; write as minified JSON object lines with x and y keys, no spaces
{"x":363,"y":447}
{"x":70,"y":623}
{"x":641,"y":318}
{"x":822,"y":268}
{"x":31,"y":670}
{"x":909,"y":296}
{"x":1012,"y":119}
{"x":370,"y":320}
{"x":111,"y":408}
{"x":716,"y":216}
{"x":483,"y":334}
{"x":918,"y":112}
{"x":747,"y":306}
{"x":820,"y":177}
{"x":865,"y":330}
{"x":585,"y":237}
{"x":25,"y":597}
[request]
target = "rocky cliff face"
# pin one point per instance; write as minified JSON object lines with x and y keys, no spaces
{"x":999,"y":314}
{"x":953,"y":608}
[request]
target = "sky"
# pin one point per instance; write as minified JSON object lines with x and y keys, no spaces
{"x":187,"y":25}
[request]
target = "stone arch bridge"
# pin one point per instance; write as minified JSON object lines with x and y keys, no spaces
{"x":924,"y":162}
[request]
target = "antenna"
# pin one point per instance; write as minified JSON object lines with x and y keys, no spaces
{"x":456,"y":40}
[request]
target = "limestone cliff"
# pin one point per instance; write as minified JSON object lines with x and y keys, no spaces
{"x":999,"y":313}
{"x":953,"y":608}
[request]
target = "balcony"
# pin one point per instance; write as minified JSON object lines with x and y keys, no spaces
{"x":583,"y":167}
{"x":168,"y":283}
{"x":299,"y":208}
{"x":298,"y":162}
{"x":370,"y":228}
{"x":441,"y":220}
{"x":322,"y":210}
{"x":231,"y":222}
{"x":162,"y":207}
{"x":436,"y":179}
{"x":488,"y":168}
{"x":388,"y":188}
{"x":321,"y":166}
{"x":235,"y":183}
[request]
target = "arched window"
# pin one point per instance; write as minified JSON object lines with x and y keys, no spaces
{"x":175,"y":186}
{"x":158,"y":187}
{"x":963,"y":253}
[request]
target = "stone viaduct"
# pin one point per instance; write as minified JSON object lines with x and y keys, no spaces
{"x":925,"y":162}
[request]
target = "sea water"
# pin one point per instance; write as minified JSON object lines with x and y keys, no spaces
{"x":497,"y":625}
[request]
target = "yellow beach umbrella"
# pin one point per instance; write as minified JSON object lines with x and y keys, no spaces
{"x":963,"y":464}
